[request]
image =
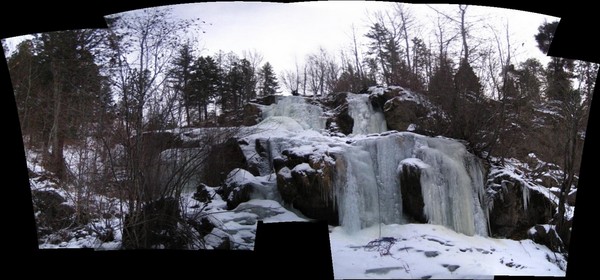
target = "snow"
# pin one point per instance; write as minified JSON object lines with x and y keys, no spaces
{"x":376,"y":90}
{"x":411,"y":127}
{"x":303,"y":168}
{"x":263,"y":187}
{"x":414,"y":162}
{"x":285,"y":172}
{"x":423,"y":250}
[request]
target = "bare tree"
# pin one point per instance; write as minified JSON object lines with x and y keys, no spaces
{"x":143,"y":46}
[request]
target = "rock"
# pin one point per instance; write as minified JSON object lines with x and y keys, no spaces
{"x":382,"y":270}
{"x":412,"y":196}
{"x":507,"y":217}
{"x":451,"y":267}
{"x":340,"y":121}
{"x":547,"y":235}
{"x":54,"y":214}
{"x":222,"y":159}
{"x":403,"y":115}
{"x":431,"y":254}
{"x":202,"y":194}
{"x":238,"y":187}
{"x":260,"y":211}
{"x":405,"y":110}
{"x":251,"y":114}
{"x":307,"y":186}
{"x":379,"y":100}
{"x":266,"y":100}
{"x":154,"y":142}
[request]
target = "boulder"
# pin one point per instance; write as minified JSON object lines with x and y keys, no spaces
{"x":53,"y":213}
{"x":340,"y":121}
{"x":401,"y":114}
{"x":202,"y":194}
{"x":406,"y":110}
{"x":546,"y":235}
{"x":252,"y":115}
{"x":508,"y":217}
{"x":238,"y":188}
{"x":380,"y":95}
{"x":241,"y":186}
{"x":222,"y":159}
{"x":219,"y":240}
{"x":307,"y":187}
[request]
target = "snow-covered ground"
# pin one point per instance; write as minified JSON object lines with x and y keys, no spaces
{"x":431,"y":251}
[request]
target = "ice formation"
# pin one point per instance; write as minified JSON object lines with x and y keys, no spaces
{"x":309,"y":116}
{"x":367,"y":188}
{"x":367,"y":120}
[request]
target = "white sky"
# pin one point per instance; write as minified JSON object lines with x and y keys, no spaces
{"x":284,"y":32}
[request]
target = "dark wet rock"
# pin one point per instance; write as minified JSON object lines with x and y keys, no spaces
{"x":451,"y":267}
{"x":222,"y":159}
{"x":547,"y":235}
{"x":432,"y":254}
{"x":202,"y":194}
{"x":382,"y":270}
{"x":308,"y":190}
{"x":508,"y":217}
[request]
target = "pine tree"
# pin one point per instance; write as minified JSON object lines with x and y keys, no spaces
{"x":181,"y":74}
{"x":204,"y":85}
{"x":268,"y":80}
{"x":70,"y":89}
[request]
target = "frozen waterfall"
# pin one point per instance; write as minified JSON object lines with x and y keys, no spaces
{"x":367,"y":120}
{"x":368,"y":188}
{"x":309,"y":116}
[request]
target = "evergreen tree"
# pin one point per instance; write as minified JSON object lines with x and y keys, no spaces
{"x":466,"y":104}
{"x":248,"y":82}
{"x":559,"y":70}
{"x":181,"y":74}
{"x":378,"y":45}
{"x":268,"y":80}
{"x":62,"y":90}
{"x":441,"y":85}
{"x":528,"y":79}
{"x":204,"y":86}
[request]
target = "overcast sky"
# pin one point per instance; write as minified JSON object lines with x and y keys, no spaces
{"x":284,"y":32}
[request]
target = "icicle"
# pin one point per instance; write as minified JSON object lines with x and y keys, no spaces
{"x":525,"y":192}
